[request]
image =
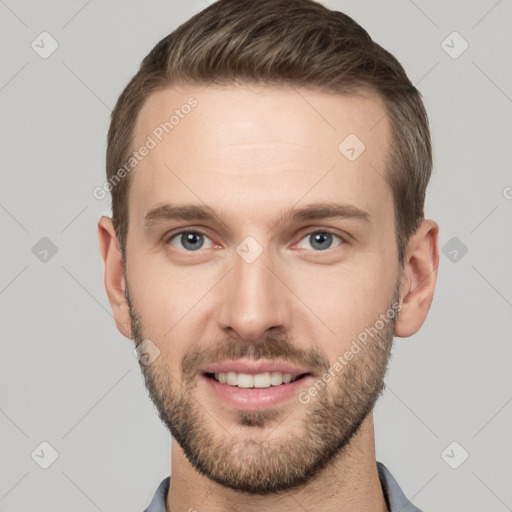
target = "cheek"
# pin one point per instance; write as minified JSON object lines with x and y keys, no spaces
{"x":346,"y":300}
{"x":165,"y":295}
{"x":150,"y":294}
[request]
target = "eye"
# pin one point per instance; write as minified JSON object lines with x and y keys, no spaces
{"x":319,"y":240}
{"x":190,"y":241}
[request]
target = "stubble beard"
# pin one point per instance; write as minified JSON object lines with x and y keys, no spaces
{"x":248,"y":461}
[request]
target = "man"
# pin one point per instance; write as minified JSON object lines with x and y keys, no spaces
{"x":268,"y":166}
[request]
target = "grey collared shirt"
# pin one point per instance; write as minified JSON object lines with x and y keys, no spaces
{"x":395,"y":498}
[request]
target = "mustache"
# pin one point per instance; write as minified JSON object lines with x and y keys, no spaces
{"x":272,"y":347}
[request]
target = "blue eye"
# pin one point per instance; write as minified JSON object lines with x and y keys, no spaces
{"x":320,"y":240}
{"x":190,"y":241}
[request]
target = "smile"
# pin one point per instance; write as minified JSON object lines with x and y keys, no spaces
{"x":259,"y":380}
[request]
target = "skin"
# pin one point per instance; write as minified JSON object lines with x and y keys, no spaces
{"x":252,"y":153}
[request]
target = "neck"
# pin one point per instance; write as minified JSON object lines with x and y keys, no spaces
{"x":350,"y":482}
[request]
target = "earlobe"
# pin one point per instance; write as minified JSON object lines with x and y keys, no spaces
{"x":114,"y":279}
{"x":419,"y":280}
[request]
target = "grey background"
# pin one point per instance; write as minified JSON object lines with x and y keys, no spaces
{"x":69,"y":378}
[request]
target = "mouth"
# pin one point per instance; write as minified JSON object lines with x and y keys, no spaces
{"x":254,"y":385}
{"x":258,"y":380}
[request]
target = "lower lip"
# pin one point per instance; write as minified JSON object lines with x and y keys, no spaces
{"x":256,"y":399}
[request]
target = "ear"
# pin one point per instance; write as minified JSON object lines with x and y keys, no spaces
{"x":115,"y":284}
{"x":419,"y":278}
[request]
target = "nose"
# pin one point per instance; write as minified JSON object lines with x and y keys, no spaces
{"x":254,"y":299}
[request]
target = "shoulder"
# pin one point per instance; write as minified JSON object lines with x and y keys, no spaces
{"x":395,"y":498}
{"x":158,"y":502}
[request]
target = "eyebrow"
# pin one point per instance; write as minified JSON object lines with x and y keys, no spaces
{"x":313,"y":211}
{"x":179,"y":212}
{"x":326,"y":210}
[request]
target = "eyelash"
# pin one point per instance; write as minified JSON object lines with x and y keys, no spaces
{"x":200,"y":232}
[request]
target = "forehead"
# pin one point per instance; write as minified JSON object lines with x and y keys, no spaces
{"x":256,"y":148}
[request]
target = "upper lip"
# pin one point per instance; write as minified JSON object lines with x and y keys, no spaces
{"x":253,"y":367}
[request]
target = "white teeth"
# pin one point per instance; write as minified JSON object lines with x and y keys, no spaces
{"x":231,"y":378}
{"x":245,"y":380}
{"x":260,"y":380}
{"x":276,"y":378}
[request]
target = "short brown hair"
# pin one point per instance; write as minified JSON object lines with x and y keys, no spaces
{"x":283,"y":42}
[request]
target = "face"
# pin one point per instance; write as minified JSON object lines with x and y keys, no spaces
{"x":259,"y":254}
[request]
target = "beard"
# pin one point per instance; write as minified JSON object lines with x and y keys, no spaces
{"x":245,"y":459}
